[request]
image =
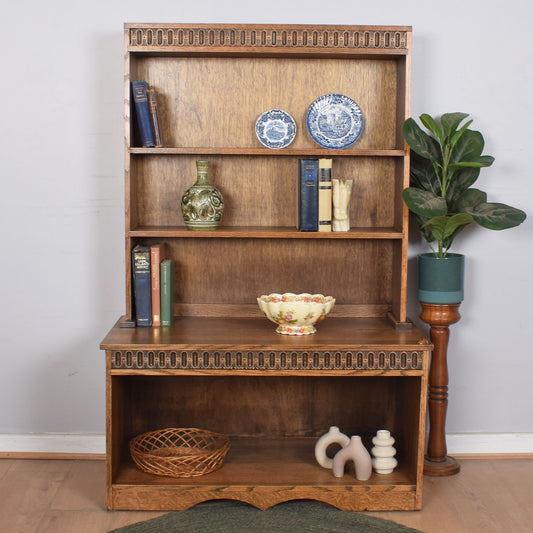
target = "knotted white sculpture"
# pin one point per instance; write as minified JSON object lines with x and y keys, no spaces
{"x":333,"y":436}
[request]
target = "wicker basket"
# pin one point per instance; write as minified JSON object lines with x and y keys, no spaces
{"x":183,"y":452}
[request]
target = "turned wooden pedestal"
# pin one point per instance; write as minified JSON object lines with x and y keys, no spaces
{"x":439,"y":317}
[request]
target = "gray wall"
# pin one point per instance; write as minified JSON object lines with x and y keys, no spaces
{"x":62,"y":193}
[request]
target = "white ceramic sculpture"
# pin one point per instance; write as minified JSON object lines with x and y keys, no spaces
{"x":341,"y":193}
{"x":383,"y":452}
{"x":333,"y":436}
{"x":356,"y":452}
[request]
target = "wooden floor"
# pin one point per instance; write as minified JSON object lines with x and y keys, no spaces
{"x":66,"y":496}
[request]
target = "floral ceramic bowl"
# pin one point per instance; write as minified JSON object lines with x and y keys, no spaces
{"x":295,"y":314}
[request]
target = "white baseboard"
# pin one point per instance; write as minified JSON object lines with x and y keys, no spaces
{"x":53,"y":443}
{"x":80,"y":444}
{"x":489,"y":443}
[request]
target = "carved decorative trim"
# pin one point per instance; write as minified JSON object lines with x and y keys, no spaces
{"x":258,"y":360}
{"x":257,"y":38}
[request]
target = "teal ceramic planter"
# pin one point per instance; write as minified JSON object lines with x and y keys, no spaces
{"x":441,"y":279}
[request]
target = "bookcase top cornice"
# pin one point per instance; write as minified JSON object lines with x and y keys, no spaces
{"x":267,"y":37}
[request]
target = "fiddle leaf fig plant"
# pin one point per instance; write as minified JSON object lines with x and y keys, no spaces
{"x":446,"y":160}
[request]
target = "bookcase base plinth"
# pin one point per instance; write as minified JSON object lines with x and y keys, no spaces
{"x":182,"y":498}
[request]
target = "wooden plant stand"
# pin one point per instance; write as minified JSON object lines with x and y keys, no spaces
{"x":439,"y":317}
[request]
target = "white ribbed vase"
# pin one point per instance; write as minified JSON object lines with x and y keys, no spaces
{"x":383,"y":452}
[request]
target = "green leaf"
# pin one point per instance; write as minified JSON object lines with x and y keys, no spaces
{"x":481,"y":162}
{"x":468,"y":164}
{"x":456,"y":221}
{"x":468,"y":148}
{"x":486,"y":160}
{"x":469,"y":199}
{"x":419,"y":141}
{"x":423,"y":174}
{"x":446,"y":243}
{"x":458,"y":134}
{"x":430,"y":123}
{"x":497,"y":216}
{"x":424,"y":203}
{"x":451,"y":121}
{"x":437,"y":227}
{"x":426,"y":232}
{"x":445,"y":226}
{"x":462,"y":180}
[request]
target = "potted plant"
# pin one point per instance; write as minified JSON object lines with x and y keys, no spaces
{"x":445,"y":162}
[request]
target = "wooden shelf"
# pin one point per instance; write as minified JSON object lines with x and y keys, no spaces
{"x":286,"y":152}
{"x":257,"y":467}
{"x":257,"y":232}
{"x":226,"y":332}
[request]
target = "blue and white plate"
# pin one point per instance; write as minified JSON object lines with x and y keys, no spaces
{"x":334,"y":121}
{"x":275,"y":129}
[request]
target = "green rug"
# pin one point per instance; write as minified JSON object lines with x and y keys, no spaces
{"x":291,"y":517}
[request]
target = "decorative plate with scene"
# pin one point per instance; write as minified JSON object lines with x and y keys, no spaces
{"x":275,"y":129}
{"x":334,"y":121}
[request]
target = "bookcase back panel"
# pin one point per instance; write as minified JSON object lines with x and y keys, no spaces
{"x":287,"y":406}
{"x":237,"y":271}
{"x":258,"y":191}
{"x":191,"y":90}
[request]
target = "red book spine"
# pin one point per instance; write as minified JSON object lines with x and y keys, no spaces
{"x":157,"y":254}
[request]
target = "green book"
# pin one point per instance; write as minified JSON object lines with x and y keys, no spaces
{"x":167,"y":291}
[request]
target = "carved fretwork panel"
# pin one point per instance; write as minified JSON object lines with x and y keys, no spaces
{"x":259,"y":360}
{"x":268,"y":37}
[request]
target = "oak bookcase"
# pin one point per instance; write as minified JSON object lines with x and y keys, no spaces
{"x":221,"y":366}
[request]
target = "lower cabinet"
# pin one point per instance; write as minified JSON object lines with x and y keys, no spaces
{"x":273,"y":402}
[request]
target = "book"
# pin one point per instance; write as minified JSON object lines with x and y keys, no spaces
{"x":167,"y":291}
{"x":153,"y":104}
{"x":142,"y":285}
{"x":324,"y":195}
{"x":308,"y":195}
{"x":140,"y":97}
{"x":157,"y":254}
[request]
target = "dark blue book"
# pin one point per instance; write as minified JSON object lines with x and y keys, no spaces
{"x":142,"y":285}
{"x":308,"y":195}
{"x":142,"y":108}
